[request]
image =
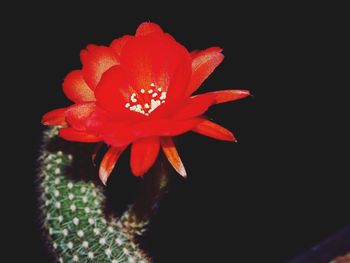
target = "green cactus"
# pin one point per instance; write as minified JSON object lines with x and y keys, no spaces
{"x":73,"y":218}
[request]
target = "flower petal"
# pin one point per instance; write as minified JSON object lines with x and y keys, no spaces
{"x":76,"y":89}
{"x":222,"y":96}
{"x":203,"y":64}
{"x":194,"y":107}
{"x":118,"y":44}
{"x":143,"y":154}
{"x":114,"y":131}
{"x":157,"y":60}
{"x":211,"y":129}
{"x":171,"y":153}
{"x":114,"y":91}
{"x":164,"y":127}
{"x":55,"y":118}
{"x":108,"y":162}
{"x":77,"y":114}
{"x":71,"y":134}
{"x":96,"y":60}
{"x":147,"y":28}
{"x":197,"y":105}
{"x":117,"y":134}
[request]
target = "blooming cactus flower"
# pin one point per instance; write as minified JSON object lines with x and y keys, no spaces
{"x":138,"y":91}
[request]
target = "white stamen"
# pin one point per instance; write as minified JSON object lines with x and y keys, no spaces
{"x":163,"y":96}
{"x":142,"y":91}
{"x":133,"y":99}
{"x":155,"y":94}
{"x":152,"y":84}
{"x":150,"y":91}
{"x":153,"y":104}
{"x":127,"y":105}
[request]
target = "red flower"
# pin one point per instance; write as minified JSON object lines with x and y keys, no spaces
{"x":138,"y":91}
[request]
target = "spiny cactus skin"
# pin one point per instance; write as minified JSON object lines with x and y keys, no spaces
{"x":73,"y":217}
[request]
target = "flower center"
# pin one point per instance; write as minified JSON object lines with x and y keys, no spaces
{"x":146,"y":100}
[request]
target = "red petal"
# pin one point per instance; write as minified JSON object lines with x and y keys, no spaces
{"x":114,"y":90}
{"x":222,"y":96}
{"x":117,"y":134}
{"x":143,"y":155}
{"x":55,"y":118}
{"x":77,"y":114}
{"x":147,"y":28}
{"x":203,"y":64}
{"x":70,"y":134}
{"x":211,"y":129}
{"x":96,"y":60}
{"x":76,"y":89}
{"x":112,"y":130}
{"x":118,"y":44}
{"x":108,"y":162}
{"x":171,"y":153}
{"x":194,"y":107}
{"x":198,"y":104}
{"x":164,"y":127}
{"x":157,"y":59}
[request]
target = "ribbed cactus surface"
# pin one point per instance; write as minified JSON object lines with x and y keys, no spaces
{"x":73,"y":218}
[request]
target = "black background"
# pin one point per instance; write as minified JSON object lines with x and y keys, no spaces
{"x":282,"y":188}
